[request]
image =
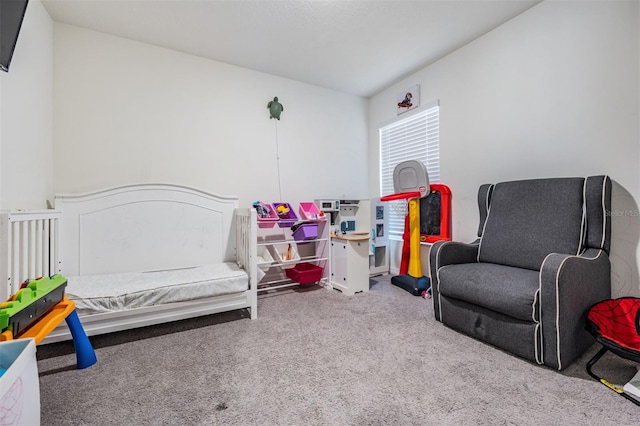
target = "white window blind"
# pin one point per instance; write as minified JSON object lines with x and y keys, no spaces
{"x":416,"y":137}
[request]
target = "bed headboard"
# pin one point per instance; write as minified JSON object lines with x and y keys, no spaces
{"x":144,"y":227}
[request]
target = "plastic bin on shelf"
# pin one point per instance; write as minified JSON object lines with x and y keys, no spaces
{"x":260,"y":274}
{"x":305,"y":231}
{"x":286,"y":254}
{"x":286,"y":214}
{"x":309,"y":211}
{"x":269,"y":219}
{"x":265,"y":259}
{"x":305,"y":273}
{"x":19,"y":383}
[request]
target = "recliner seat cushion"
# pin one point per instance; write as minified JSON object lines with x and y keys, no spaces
{"x":529,"y":219}
{"x":505,"y":289}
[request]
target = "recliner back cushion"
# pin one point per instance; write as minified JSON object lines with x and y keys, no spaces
{"x":529,"y":219}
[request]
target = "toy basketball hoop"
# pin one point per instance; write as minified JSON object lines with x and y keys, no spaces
{"x":410,"y":182}
{"x":411,"y":176}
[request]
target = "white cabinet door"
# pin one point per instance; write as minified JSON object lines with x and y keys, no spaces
{"x":350,"y":265}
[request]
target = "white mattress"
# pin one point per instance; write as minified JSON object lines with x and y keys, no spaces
{"x":94,"y":294}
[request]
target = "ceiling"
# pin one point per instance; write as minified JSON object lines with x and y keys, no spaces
{"x":357,"y":47}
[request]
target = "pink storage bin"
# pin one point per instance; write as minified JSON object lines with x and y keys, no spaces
{"x":309,"y":211}
{"x":270,"y":219}
{"x":287,"y":218}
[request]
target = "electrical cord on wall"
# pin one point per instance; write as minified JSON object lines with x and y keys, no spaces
{"x":275,"y":109}
{"x":275,"y":123}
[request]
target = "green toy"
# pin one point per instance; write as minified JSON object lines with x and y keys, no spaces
{"x":31,"y":302}
{"x":275,"y":108}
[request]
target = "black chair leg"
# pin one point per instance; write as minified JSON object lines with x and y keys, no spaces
{"x":611,"y":386}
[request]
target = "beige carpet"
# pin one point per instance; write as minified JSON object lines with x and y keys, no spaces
{"x":317,"y":357}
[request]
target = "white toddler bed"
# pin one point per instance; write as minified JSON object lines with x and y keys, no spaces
{"x":147,"y":254}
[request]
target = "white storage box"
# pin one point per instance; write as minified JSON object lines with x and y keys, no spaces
{"x":265,"y":259}
{"x":286,"y":254}
{"x":19,"y":383}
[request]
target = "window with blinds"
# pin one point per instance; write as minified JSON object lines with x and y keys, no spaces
{"x":416,"y":137}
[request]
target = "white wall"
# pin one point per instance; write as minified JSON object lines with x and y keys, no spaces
{"x":26,"y":94}
{"x":128,"y":112}
{"x":553,"y":92}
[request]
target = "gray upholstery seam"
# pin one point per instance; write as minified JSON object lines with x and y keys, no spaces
{"x":486,"y":219}
{"x":438,"y":278}
{"x":583,"y":222}
{"x":541,"y":360}
{"x":535,"y":297}
{"x":533,"y":317}
{"x":604,"y":211}
{"x":536,"y":338}
{"x":559,"y":357}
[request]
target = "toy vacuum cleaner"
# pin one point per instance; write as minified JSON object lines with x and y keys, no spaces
{"x":410,"y":182}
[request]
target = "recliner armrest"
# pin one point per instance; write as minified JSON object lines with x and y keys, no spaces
{"x":569,"y":286}
{"x":448,"y":253}
{"x":452,"y":252}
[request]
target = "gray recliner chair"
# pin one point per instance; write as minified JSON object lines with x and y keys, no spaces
{"x":541,"y":260}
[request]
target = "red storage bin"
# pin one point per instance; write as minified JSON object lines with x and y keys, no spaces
{"x":305,"y":273}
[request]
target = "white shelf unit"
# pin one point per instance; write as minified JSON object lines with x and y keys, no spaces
{"x":276,"y":240}
{"x":370,"y":216}
{"x":379,"y":241}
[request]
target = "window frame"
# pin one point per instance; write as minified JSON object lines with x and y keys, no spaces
{"x":412,"y":137}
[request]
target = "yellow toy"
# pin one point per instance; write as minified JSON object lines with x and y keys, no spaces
{"x":282,"y":209}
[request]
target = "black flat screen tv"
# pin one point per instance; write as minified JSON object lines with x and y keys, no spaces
{"x":11,"y":17}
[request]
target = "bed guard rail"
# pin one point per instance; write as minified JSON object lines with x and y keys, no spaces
{"x":246,"y":243}
{"x":29,"y":247}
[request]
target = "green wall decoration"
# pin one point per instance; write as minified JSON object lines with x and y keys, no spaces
{"x":275,"y":108}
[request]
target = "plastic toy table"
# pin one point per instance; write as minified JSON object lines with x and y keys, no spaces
{"x":63,"y":310}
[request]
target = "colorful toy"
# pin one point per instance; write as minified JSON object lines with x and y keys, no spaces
{"x":283,"y":209}
{"x":30,"y":303}
{"x":37,"y":309}
{"x":286,"y":216}
{"x":411,"y":182}
{"x":260,"y":209}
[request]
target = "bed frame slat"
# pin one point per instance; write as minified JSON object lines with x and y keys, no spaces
{"x":28,"y":247}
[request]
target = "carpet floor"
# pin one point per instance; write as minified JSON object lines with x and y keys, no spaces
{"x":318,"y":357}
